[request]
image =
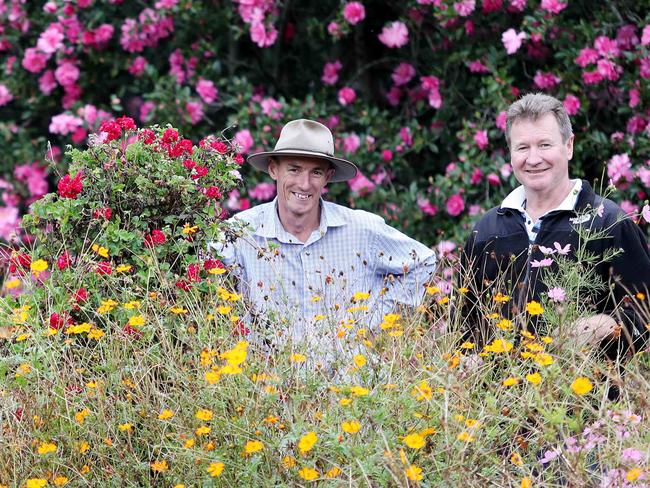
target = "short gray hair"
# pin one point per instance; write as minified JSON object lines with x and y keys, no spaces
{"x":536,"y":105}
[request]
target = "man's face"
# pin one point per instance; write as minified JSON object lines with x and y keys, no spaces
{"x":300,"y":181}
{"x":539,"y":158}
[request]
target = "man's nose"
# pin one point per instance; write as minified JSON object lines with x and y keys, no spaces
{"x":303,"y":180}
{"x":533,"y":156}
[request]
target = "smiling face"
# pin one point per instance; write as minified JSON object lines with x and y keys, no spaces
{"x":539,"y":157}
{"x":300,"y":181}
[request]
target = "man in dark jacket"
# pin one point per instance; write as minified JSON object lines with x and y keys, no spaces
{"x":548,"y":216}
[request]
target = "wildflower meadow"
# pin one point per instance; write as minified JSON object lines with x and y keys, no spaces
{"x":125,"y":356}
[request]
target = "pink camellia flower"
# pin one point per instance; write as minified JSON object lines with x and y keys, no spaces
{"x":360,"y":184}
{"x":206,"y":90}
{"x":545,"y":81}
{"x":33,"y":60}
{"x":645,"y":35}
{"x":67,"y":73}
{"x":9,"y":223}
{"x":490,"y":6}
{"x":431,"y":85}
{"x":346,"y":96}
{"x":263,"y":191}
{"x":47,"y":82}
{"x":406,"y":136}
{"x":586,"y":57}
{"x":591,"y":77}
{"x":619,"y":169}
{"x":51,"y":39}
{"x":403,"y":74}
{"x":556,"y":294}
{"x":501,"y":120}
{"x":455,"y":205}
{"x":354,"y":12}
{"x":393,"y":96}
{"x":334,"y":29}
{"x":331,"y":72}
{"x":481,"y":139}
{"x":465,"y":7}
{"x":195,"y":111}
{"x":64,"y":124}
{"x":387,"y":155}
{"x":644,"y":174}
{"x":394,"y":35}
{"x":477,"y":176}
{"x":553,"y":6}
{"x":351,"y":143}
{"x":608,"y":69}
{"x":478,"y":67}
{"x":261,"y":36}
{"x":244,"y":140}
{"x":512,"y":40}
{"x":629,"y":208}
{"x":5,"y":95}
{"x":493,"y":179}
{"x":138,"y":66}
{"x":271,"y":108}
{"x":635,"y":97}
{"x":606,"y":47}
{"x":571,"y":104}
{"x":426,"y":207}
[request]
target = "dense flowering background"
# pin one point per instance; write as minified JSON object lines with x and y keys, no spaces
{"x":414,"y":91}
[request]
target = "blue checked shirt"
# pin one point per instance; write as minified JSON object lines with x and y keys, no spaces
{"x":308,"y":286}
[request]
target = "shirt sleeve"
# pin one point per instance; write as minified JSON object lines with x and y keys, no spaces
{"x":405,"y":264}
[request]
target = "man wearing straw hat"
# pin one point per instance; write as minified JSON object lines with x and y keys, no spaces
{"x":311,"y":269}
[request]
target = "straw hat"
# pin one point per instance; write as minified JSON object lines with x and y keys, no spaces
{"x":304,"y":137}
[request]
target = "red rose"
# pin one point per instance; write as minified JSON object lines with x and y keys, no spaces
{"x":64,"y":261}
{"x":112,"y":129}
{"x":199,"y":172}
{"x":126,"y":123}
{"x":184,"y":146}
{"x":189,"y":164}
{"x":70,"y":187}
{"x":219,"y":146}
{"x":147,"y":136}
{"x":156,"y":238}
{"x":213,"y":192}
{"x":169,"y":136}
{"x":80,"y":296}
{"x":104,"y":268}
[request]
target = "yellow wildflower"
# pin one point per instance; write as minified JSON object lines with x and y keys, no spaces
{"x":133,"y":304}
{"x":102,"y":251}
{"x":38,"y":266}
{"x":35,"y":483}
{"x":432,"y":290}
{"x":123,"y":268}
{"x":12,"y":284}
{"x":359,"y":391}
{"x":212,"y":377}
{"x":215,"y":469}
{"x":189,"y":443}
{"x":344,"y":402}
{"x":307,"y":442}
{"x":204,"y":414}
{"x":633,"y":474}
{"x":60,"y":480}
{"x":413,"y":472}
{"x":526,"y":483}
{"x":581,"y":386}
{"x":543,"y":359}
{"x":463,"y":290}
{"x":224,"y":309}
{"x":360,"y":360}
{"x":360,"y":296}
{"x":125,"y":427}
{"x":472,"y":423}
{"x":81,"y":415}
{"x":466,"y":437}
{"x":504,"y":324}
{"x":178,"y":310}
{"x":414,"y":441}
{"x":516,"y":459}
{"x":298,"y":358}
{"x":204,"y":429}
{"x":501,"y":298}
{"x":467,"y":345}
{"x":318,"y":318}
{"x":498,"y":346}
{"x":136,"y":321}
{"x":422,"y":391}
{"x":534,"y":308}
{"x":190,"y":229}
{"x":95,"y":334}
{"x":82,"y":447}
{"x":288,"y":462}
{"x":159,"y":466}
{"x":534,"y":378}
{"x":23,"y":337}
{"x":165,"y":414}
{"x":351,"y":426}
{"x":237,"y":354}
{"x":511,"y":381}
{"x":308,"y":474}
{"x":46,"y":448}
{"x":334,"y":472}
{"x":253,"y":446}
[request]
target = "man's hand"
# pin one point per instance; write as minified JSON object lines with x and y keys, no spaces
{"x":592,"y":330}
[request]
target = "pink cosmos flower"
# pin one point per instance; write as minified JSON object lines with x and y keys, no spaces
{"x":5,"y":95}
{"x":545,"y":81}
{"x":360,"y":184}
{"x":455,"y":205}
{"x":165,"y":4}
{"x":631,"y":455}
{"x":67,"y":73}
{"x":394,"y":35}
{"x":646,"y":213}
{"x":562,"y":250}
{"x":50,"y":7}
{"x":34,"y":61}
{"x":331,"y":72}
{"x":244,"y":140}
{"x":571,"y":104}
{"x":351,"y":143}
{"x":195,"y":111}
{"x":553,"y":6}
{"x":261,"y":36}
{"x":346,"y":96}
{"x":271,"y":108}
{"x":403,"y":74}
{"x":263,"y":191}
{"x":512,"y":40}
{"x":542,"y":263}
{"x":64,"y":124}
{"x":354,"y":12}
{"x":481,"y":139}
{"x":138,"y":66}
{"x":465,"y":7}
{"x":206,"y":90}
{"x":556,"y":294}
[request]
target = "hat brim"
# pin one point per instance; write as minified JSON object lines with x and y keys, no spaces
{"x":344,"y":170}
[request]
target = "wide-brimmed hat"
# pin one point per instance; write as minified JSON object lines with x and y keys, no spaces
{"x":304,"y":137}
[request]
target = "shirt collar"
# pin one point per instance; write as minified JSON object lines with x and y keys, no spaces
{"x":271,"y":227}
{"x":517,"y":198}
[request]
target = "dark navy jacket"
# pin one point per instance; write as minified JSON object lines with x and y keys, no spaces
{"x":498,"y":256}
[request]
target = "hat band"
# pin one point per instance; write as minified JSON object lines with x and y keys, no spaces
{"x":296,"y":149}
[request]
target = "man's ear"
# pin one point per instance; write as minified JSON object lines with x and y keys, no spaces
{"x":330,"y":172}
{"x":569,"y":146}
{"x":273,"y":168}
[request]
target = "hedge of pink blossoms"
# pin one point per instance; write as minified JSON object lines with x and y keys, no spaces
{"x":415,"y":94}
